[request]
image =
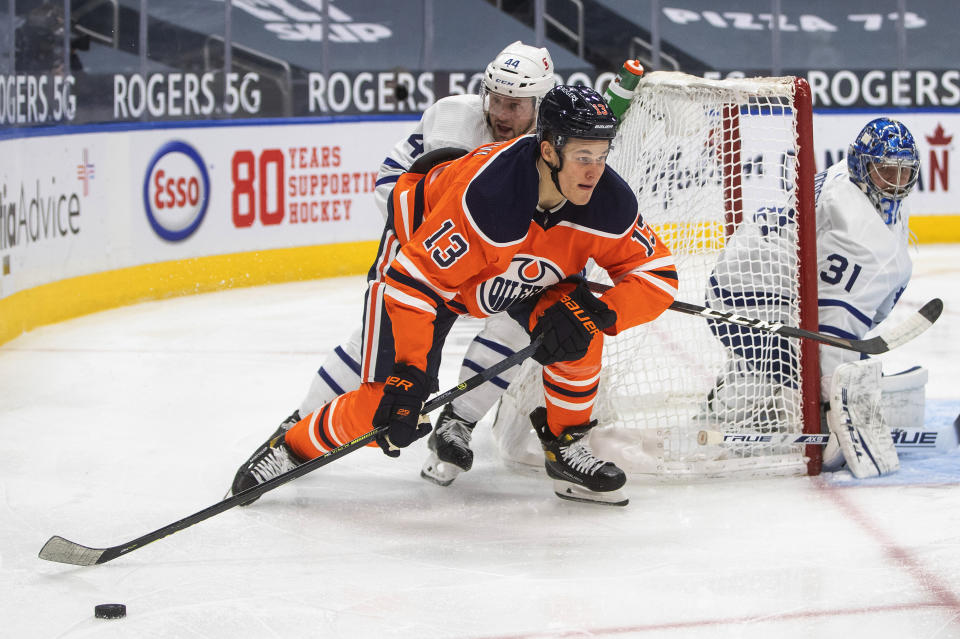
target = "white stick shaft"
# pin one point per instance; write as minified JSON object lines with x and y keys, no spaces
{"x":714,"y":437}
{"x":905,"y":439}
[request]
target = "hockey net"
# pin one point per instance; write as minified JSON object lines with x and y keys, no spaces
{"x":723,"y":171}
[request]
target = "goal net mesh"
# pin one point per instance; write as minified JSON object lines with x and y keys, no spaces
{"x":713,"y":165}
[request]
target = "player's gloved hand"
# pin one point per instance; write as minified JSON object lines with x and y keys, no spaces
{"x":399,"y":409}
{"x":570,"y":324}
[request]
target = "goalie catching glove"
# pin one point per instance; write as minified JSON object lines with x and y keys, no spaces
{"x":570,"y":324}
{"x":399,"y":409}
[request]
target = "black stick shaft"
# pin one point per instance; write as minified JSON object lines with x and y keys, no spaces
{"x":65,"y":551}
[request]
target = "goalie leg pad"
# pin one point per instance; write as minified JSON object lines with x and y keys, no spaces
{"x":856,"y":421}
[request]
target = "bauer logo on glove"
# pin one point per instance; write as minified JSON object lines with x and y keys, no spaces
{"x":399,"y":410}
{"x":400,"y":383}
{"x":570,"y":324}
{"x":588,"y":324}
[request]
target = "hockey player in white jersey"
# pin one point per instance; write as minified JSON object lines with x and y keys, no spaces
{"x":863,"y":267}
{"x":513,"y":85}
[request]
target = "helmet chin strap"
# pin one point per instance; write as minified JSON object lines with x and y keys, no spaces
{"x":555,"y":171}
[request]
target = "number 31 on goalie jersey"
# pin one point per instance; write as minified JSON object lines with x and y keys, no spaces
{"x":451,"y":250}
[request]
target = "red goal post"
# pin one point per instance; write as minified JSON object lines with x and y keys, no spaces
{"x":723,"y":170}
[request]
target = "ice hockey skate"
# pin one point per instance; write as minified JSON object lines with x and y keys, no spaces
{"x":271,"y":458}
{"x":578,"y":475}
{"x":449,"y":445}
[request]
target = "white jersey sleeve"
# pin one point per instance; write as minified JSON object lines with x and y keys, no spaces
{"x":454,"y":121}
{"x":863,"y":265}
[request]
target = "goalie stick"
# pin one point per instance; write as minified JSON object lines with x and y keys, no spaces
{"x":904,"y":438}
{"x":65,"y":551}
{"x":887,"y":339}
{"x":714,"y":437}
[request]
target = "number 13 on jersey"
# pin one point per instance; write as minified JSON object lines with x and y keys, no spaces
{"x":447,"y":247}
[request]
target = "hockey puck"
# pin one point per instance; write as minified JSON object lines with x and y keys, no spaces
{"x":109,"y":611}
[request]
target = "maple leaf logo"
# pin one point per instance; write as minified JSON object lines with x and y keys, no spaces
{"x":938,"y":138}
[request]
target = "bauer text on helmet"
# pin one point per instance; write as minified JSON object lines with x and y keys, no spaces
{"x":884,"y":162}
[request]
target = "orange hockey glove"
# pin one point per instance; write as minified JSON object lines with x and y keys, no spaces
{"x":399,"y":409}
{"x":570,"y":324}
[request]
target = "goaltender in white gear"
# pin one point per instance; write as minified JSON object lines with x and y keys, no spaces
{"x":863,"y":267}
{"x":513,"y":84}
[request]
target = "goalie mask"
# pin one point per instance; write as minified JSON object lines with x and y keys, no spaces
{"x":883,"y":161}
{"x":513,"y":85}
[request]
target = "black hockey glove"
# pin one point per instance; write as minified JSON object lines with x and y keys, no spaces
{"x":569,"y":325}
{"x":399,"y":409}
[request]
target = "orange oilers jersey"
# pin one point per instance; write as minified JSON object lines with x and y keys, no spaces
{"x":474,"y":240}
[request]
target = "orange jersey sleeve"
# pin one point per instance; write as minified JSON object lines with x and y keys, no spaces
{"x":645,"y":281}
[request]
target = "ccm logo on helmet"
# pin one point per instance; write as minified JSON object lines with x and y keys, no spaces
{"x":176,"y":191}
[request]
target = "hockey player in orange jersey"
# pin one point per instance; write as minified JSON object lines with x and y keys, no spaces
{"x":505,"y":228}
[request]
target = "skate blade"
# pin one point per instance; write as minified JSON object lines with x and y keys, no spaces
{"x":439,"y":472}
{"x":573,"y":492}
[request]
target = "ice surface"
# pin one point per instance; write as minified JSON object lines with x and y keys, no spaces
{"x":115,"y":424}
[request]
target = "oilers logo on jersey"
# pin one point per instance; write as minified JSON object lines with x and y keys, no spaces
{"x":526,"y":276}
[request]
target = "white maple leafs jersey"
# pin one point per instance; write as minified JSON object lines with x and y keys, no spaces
{"x":454,"y":121}
{"x":863,"y":265}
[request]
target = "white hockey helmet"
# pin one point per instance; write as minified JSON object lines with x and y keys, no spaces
{"x":520,"y":71}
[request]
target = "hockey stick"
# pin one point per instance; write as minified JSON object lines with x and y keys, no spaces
{"x":68,"y":552}
{"x":714,"y":437}
{"x":904,"y":438}
{"x":886,"y":340}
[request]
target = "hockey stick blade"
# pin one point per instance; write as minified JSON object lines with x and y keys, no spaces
{"x":714,"y":437}
{"x":907,"y":330}
{"x":64,"y":551}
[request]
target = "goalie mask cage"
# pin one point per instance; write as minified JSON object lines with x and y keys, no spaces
{"x":723,"y":171}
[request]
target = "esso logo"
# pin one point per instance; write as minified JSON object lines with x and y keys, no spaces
{"x":176,"y":191}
